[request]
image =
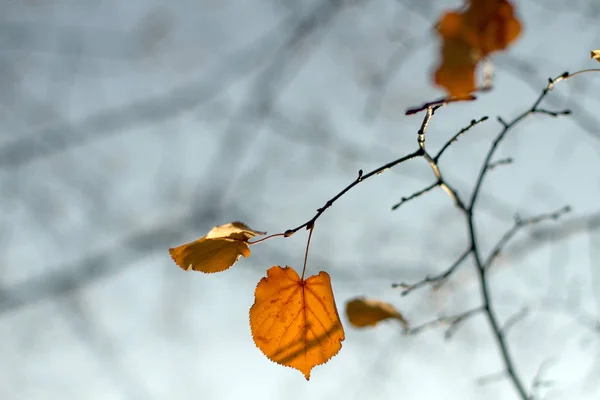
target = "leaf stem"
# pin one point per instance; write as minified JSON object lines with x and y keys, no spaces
{"x":307,"y":246}
{"x":266,"y":238}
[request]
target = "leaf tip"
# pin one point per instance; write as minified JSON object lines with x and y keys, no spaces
{"x":175,"y":256}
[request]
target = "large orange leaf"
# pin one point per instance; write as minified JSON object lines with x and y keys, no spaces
{"x":295,"y":322}
{"x":485,"y":26}
{"x":217,"y":251}
{"x":363,"y":312}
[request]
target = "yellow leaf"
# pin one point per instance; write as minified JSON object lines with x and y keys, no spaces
{"x":217,"y":251}
{"x":595,"y":54}
{"x":362,"y":312}
{"x":295,"y":322}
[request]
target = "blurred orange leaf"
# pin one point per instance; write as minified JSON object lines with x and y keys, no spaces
{"x":217,"y":251}
{"x":485,"y":26}
{"x":295,"y":322}
{"x":362,"y":312}
{"x":595,"y":54}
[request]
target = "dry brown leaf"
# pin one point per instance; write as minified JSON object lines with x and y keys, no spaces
{"x":595,"y":54}
{"x":295,"y":322}
{"x":362,"y":312}
{"x":217,"y":251}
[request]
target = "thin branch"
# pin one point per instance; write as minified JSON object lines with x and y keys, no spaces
{"x":555,"y":233}
{"x":539,"y":383}
{"x":491,"y":316}
{"x":450,"y":191}
{"x":583,"y":71}
{"x":453,"y":323}
{"x":460,"y":133}
{"x":425,"y":124}
{"x":436,"y":279}
{"x":552,"y":113}
{"x":480,"y":265}
{"x":501,"y":121}
{"x":491,"y":378}
{"x":416,"y":194}
{"x":497,"y":163}
{"x":439,"y":102}
{"x":359,"y":179}
{"x":432,"y":162}
{"x":518,"y":225}
{"x":468,"y":211}
{"x":506,"y":127}
{"x":587,"y":121}
{"x":515,"y":319}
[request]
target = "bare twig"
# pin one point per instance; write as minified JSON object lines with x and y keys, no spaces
{"x":433,"y":164}
{"x":514,"y":319}
{"x":552,"y":113}
{"x":468,"y":210}
{"x":436,"y":279}
{"x":439,"y":102}
{"x":491,"y":378}
{"x":560,"y":231}
{"x":460,"y":133}
{"x":506,"y":127}
{"x":502,"y":161}
{"x":420,"y":152}
{"x":452,"y":323}
{"x":416,"y":194}
{"x":538,"y":381}
{"x":308,"y":224}
{"x":479,"y":263}
{"x":518,"y":225}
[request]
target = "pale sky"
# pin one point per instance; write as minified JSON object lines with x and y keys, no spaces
{"x":132,"y":127}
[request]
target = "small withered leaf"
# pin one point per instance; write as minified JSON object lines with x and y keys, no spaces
{"x":363,"y":312}
{"x":222,"y":246}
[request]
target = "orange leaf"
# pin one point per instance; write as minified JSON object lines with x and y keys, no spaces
{"x":362,"y":312}
{"x":457,"y":70}
{"x":490,"y":25}
{"x":217,"y":251}
{"x":294,"y":322}
{"x":595,"y":54}
{"x":483,"y":27}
